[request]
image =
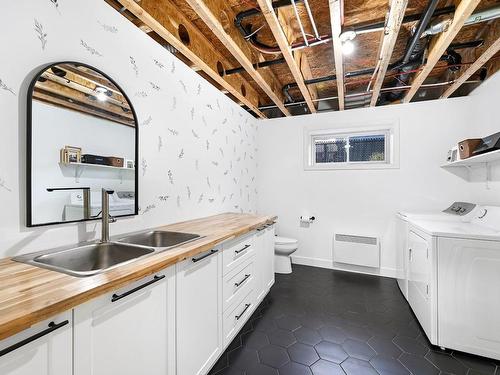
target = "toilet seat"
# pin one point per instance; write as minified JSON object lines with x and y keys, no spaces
{"x":285,"y":241}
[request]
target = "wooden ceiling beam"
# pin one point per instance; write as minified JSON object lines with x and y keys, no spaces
{"x":284,"y":45}
{"x":336,"y":17}
{"x":439,"y":45}
{"x":490,"y":48}
{"x":218,"y":16}
{"x":165,"y":18}
{"x":391,"y":31}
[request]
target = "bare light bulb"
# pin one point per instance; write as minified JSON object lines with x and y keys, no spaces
{"x":101,"y":94}
{"x":347,"y":47}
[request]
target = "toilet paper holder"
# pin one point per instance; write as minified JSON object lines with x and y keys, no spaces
{"x":307,"y":219}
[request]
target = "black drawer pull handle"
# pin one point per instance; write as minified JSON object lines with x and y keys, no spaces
{"x":52,"y":327}
{"x":117,"y":297}
{"x":242,"y":281}
{"x":260,"y":228}
{"x":242,"y":250}
{"x":244,"y":311}
{"x":213,"y":251}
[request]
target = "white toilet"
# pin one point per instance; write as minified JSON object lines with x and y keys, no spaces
{"x":283,"y":248}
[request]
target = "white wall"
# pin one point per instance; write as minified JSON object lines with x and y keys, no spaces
{"x":361,"y":201}
{"x":197,"y":147}
{"x":486,"y":121}
{"x":53,"y":128}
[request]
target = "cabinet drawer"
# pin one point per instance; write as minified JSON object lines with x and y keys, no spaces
{"x":234,"y":319}
{"x":237,"y":252}
{"x":237,"y":284}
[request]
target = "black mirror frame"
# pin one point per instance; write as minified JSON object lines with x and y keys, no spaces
{"x":29,"y":144}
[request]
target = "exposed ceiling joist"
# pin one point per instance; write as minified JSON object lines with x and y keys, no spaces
{"x":283,"y":43}
{"x":491,"y":47}
{"x":164,"y":18}
{"x":336,"y":17}
{"x":440,"y":44}
{"x":394,"y":21}
{"x":224,"y":29}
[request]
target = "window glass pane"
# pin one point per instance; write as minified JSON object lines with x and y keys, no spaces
{"x":367,"y":148}
{"x":330,"y":150}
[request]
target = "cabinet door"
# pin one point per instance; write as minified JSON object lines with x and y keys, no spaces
{"x":49,"y":352}
{"x":199,"y":313}
{"x":419,"y":280}
{"x":261,"y":257}
{"x":128,"y":332}
{"x":269,"y":263}
{"x":468,"y":295}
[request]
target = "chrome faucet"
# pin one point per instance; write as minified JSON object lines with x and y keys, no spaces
{"x":106,"y":217}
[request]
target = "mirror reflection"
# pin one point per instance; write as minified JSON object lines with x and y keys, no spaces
{"x":82,"y":135}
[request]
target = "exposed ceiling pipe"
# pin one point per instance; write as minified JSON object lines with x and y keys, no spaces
{"x":311,"y":19}
{"x":421,"y":26}
{"x":301,"y":26}
{"x":386,"y":89}
{"x":314,"y":41}
{"x":482,"y":16}
{"x":258,"y":65}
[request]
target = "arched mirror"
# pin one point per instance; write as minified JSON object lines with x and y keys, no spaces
{"x":82,"y":137}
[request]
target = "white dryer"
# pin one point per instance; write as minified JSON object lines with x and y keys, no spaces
{"x":453,"y":278}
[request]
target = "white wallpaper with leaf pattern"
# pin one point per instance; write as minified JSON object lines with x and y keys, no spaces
{"x":197,"y":147}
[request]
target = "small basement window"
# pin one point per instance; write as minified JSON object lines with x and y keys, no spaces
{"x":351,"y":148}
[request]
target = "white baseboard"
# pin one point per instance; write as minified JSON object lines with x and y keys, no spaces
{"x":328,"y":263}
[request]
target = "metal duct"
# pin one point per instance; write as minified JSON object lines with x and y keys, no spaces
{"x":442,"y":25}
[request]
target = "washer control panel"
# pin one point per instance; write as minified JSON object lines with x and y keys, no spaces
{"x":460,"y":208}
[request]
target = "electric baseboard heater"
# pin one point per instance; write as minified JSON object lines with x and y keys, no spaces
{"x":356,"y":250}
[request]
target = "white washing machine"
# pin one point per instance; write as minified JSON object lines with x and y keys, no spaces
{"x":402,"y":219}
{"x":453,"y":278}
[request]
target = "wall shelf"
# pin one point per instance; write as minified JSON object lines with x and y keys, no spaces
{"x":80,"y":167}
{"x":483,"y":159}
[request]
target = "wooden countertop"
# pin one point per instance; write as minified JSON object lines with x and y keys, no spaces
{"x":31,"y":294}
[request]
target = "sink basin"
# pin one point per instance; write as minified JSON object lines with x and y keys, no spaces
{"x":90,"y":259}
{"x":160,"y":239}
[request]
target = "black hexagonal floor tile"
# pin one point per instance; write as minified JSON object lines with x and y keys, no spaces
{"x":358,"y":349}
{"x":274,"y":356}
{"x":255,"y":340}
{"x":418,"y":365}
{"x":410,"y":345}
{"x":446,"y":363}
{"x":333,"y":334}
{"x":331,"y":352}
{"x":303,"y":354}
{"x":292,"y":368}
{"x":384,"y":346}
{"x":357,"y":333}
{"x":242,"y":358}
{"x":289,"y":323}
{"x":354,"y":366}
{"x":260,"y":369}
{"x":282,"y":338}
{"x":388,"y":366}
{"x":323,"y":367}
{"x":480,"y":365}
{"x":307,"y":336}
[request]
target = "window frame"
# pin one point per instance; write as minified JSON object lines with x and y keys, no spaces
{"x":389,"y":129}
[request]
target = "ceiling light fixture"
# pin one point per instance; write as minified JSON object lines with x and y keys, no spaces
{"x":348,"y":45}
{"x":101,"y":94}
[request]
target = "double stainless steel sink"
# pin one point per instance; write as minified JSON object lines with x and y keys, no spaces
{"x":93,"y":258}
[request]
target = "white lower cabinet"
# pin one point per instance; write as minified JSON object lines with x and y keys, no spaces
{"x":199,"y":313}
{"x":130,"y":331}
{"x":43,"y":349}
{"x":269,"y":257}
{"x":264,"y":259}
